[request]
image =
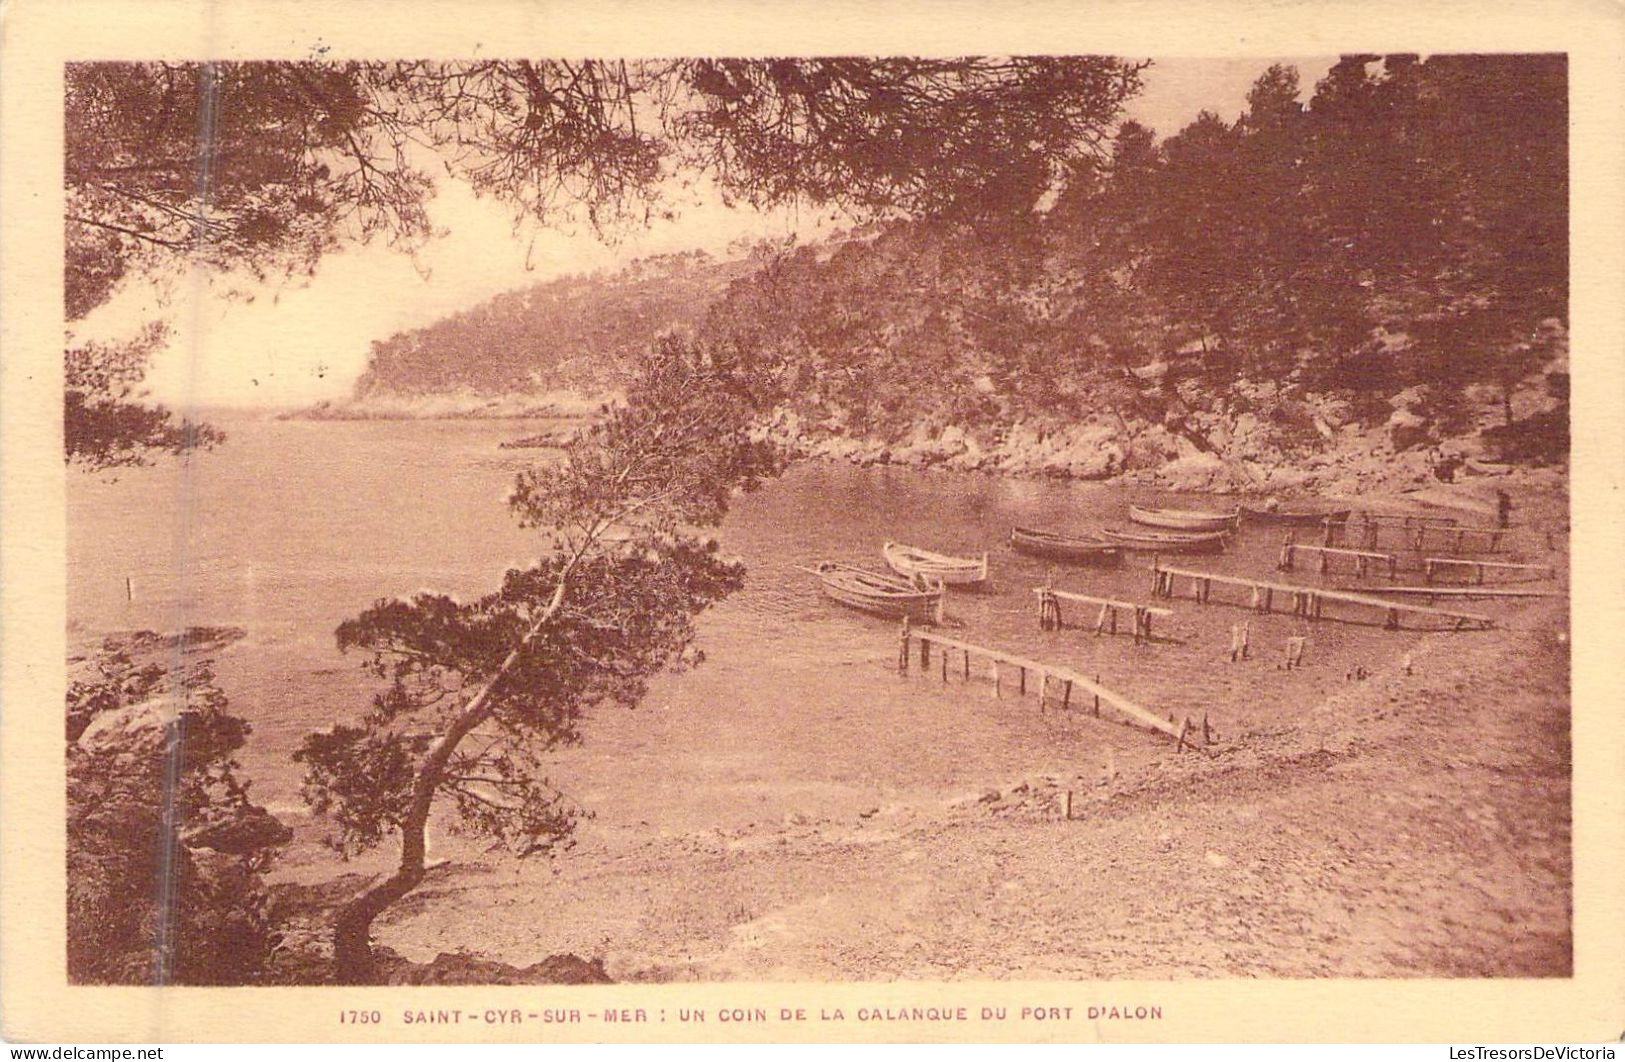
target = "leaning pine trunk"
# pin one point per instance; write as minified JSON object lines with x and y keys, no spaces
{"x":353,"y":960}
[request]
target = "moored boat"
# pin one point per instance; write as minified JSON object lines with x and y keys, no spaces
{"x":1168,"y":541}
{"x":881,"y":594}
{"x":1074,"y":548}
{"x":1294,"y":516}
{"x":1184,"y":519}
{"x":910,"y":561}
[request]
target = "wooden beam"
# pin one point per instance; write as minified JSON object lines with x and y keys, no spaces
{"x":1087,"y":599}
{"x":1122,"y":704}
{"x":1310,"y":597}
{"x":1461,"y":592}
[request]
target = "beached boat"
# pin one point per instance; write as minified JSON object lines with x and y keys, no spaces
{"x":1294,"y":516}
{"x":880,"y":593}
{"x":1168,"y":541}
{"x":909,"y":561}
{"x":1074,"y":548}
{"x":1184,"y":519}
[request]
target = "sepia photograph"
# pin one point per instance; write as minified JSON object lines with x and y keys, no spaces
{"x":1084,"y":517}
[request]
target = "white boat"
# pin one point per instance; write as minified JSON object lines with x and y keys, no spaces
{"x":1184,"y":519}
{"x":881,"y":594}
{"x":955,"y":571}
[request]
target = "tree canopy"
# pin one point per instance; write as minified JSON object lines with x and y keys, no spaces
{"x":266,"y":166}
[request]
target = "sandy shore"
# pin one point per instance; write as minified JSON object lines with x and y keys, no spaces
{"x":1409,"y":825}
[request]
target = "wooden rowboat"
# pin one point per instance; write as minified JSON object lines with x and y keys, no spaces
{"x":1296,"y":517}
{"x":909,"y":561}
{"x":879,"y":593}
{"x":1168,"y":541}
{"x":1184,"y":519}
{"x":1079,"y":550}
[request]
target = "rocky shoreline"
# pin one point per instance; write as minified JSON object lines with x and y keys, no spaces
{"x":1356,"y":462}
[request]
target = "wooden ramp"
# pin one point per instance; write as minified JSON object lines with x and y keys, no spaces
{"x":1459,"y":593}
{"x":1433,"y":566}
{"x":1049,"y":611}
{"x":1056,"y":685}
{"x":1363,"y":559}
{"x":1306,"y":601}
{"x":1448,"y":538}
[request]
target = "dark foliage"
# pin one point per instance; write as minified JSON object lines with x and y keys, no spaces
{"x":103,"y":423}
{"x":165,"y":851}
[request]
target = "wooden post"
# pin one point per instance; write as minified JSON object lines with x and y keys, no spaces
{"x":1113,"y":610}
{"x":967,"y":665}
{"x":902,"y":656}
{"x":1156,"y":577}
{"x":1207,"y":735}
{"x":1043,"y":691}
{"x":944,"y":655}
{"x":998,"y":680}
{"x":1069,"y":805}
{"x":1100,"y":621}
{"x":129,"y":589}
{"x":925,"y":654}
{"x":1066,"y":696}
{"x":1022,"y":679}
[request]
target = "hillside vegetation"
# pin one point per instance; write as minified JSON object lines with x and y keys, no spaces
{"x":1381,"y":270}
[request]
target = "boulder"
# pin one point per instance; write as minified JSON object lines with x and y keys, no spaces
{"x":135,"y":729}
{"x":1407,"y":429}
{"x":248,"y":829}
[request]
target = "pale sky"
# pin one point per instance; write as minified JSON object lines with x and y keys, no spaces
{"x":293,"y":343}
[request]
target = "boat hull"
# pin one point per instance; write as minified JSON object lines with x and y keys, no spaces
{"x":1064,"y":548}
{"x":908,"y":562}
{"x":1170,"y":542}
{"x":878,"y":594}
{"x":1266,"y":516}
{"x":1182,"y":519}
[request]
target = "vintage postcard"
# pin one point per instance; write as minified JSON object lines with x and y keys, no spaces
{"x":886,"y":521}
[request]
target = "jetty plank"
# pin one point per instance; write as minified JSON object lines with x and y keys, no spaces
{"x":1430,"y":566}
{"x":1461,"y":592}
{"x":1049,"y":672}
{"x":1307,"y":599}
{"x":1089,"y":599}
